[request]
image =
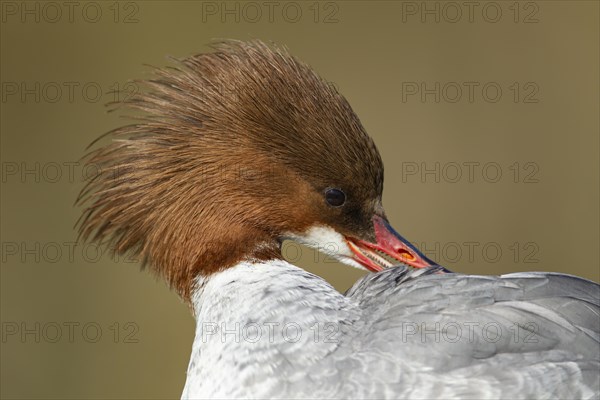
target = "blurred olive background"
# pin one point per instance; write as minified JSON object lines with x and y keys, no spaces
{"x":487,"y":122}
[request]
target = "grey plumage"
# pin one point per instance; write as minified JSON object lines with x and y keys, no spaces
{"x":494,"y":328}
{"x":400,"y":333}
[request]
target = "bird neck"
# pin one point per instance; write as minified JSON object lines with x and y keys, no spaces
{"x":273,"y":284}
{"x":259,"y":311}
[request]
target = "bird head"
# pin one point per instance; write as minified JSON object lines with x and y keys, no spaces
{"x":230,"y":153}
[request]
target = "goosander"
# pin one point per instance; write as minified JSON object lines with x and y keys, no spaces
{"x":235,"y":151}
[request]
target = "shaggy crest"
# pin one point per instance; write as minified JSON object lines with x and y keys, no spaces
{"x":233,"y":150}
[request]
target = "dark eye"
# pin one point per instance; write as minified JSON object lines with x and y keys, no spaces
{"x":335,"y":197}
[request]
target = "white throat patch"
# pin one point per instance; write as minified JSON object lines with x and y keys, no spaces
{"x":327,"y":241}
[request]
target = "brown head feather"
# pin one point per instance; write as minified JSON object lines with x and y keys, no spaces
{"x":234,"y":149}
